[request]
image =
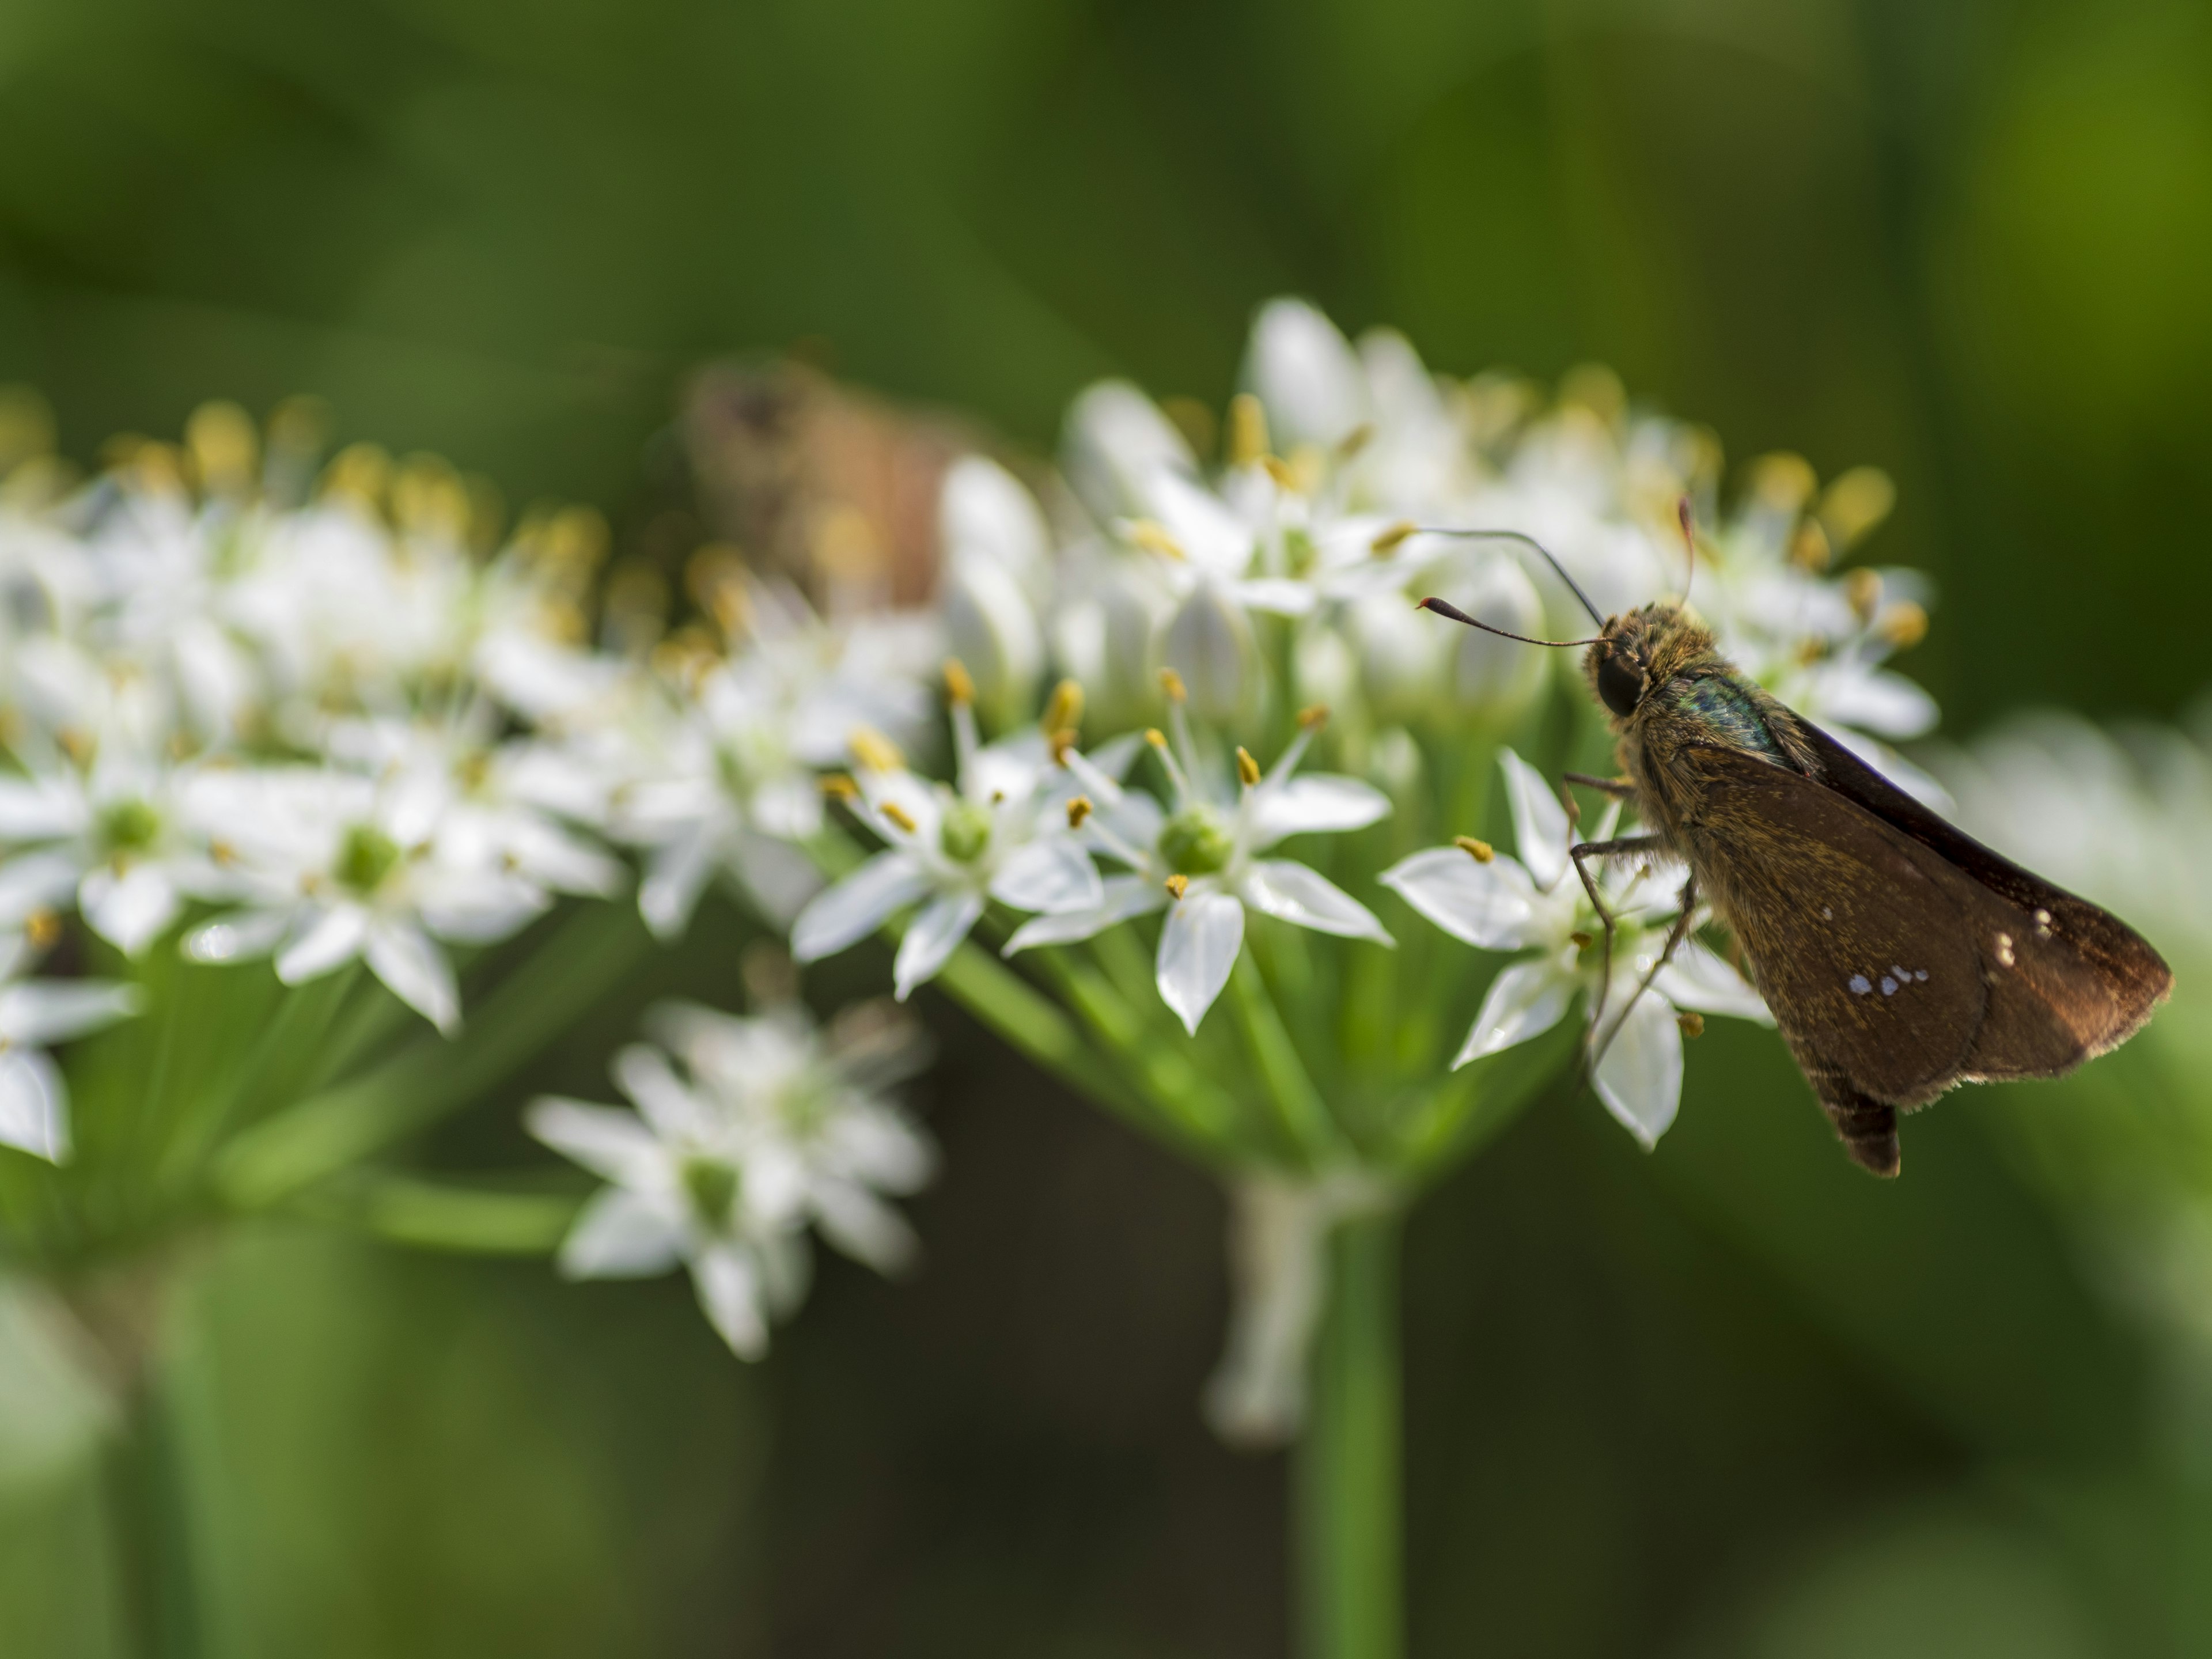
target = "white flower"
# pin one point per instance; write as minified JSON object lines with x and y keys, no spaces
{"x":765,"y":1127}
{"x":997,"y":832}
{"x":121,"y":840}
{"x":34,"y":1013}
{"x":1200,"y":861}
{"x":1535,"y":903}
{"x":722,"y":778}
{"x":328,"y":867}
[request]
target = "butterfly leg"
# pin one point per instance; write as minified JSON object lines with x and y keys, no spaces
{"x":1619,"y":847}
{"x":1619,"y":788}
{"x":1675,"y":935}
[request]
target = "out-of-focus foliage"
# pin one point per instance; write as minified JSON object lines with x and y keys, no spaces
{"x":1732,"y":1398}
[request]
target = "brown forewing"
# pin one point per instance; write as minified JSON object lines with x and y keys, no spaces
{"x":1894,"y":971}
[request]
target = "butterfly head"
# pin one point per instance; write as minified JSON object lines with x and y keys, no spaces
{"x":1639,"y":650}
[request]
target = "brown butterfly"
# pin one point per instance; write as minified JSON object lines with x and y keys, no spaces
{"x":1900,"y":956}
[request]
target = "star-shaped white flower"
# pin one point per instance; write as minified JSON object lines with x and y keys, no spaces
{"x":1537,"y":903}
{"x":764,"y":1126}
{"x":994,"y":833}
{"x":1202,"y":860}
{"x":33,"y":1014}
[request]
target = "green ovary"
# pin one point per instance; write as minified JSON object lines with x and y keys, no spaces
{"x":129,"y":826}
{"x":365,"y":858}
{"x":712,"y":1187}
{"x":966,"y":832}
{"x":1195,"y":842}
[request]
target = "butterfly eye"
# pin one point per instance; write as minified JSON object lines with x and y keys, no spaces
{"x":1621,"y":683}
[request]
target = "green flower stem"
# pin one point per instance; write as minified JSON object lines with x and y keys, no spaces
{"x":444,"y":1215}
{"x":1296,"y":1101}
{"x":340,"y":1127}
{"x":1350,"y":1574}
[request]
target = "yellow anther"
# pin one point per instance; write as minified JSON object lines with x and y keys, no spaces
{"x":1061,"y":741}
{"x":1863,"y":589}
{"x":42,"y":927}
{"x":875,"y":751}
{"x":1152,"y":536}
{"x":1248,"y":769}
{"x":839,"y":785}
{"x":1079,"y":808}
{"x":959,"y":686}
{"x":1856,"y":503}
{"x":1393,"y":539}
{"x":1280,"y":472}
{"x":1904,"y":624}
{"x":1248,"y":429}
{"x":1313,"y":717}
{"x":899,"y":814}
{"x":1480,"y":851}
{"x":1782,"y":482}
{"x":1582,"y":941}
{"x":1692,"y":1022}
{"x":1178,"y":885}
{"x":1355,"y":440}
{"x":1809,"y":549}
{"x":1063,"y":712}
{"x":1157,"y":738}
{"x":1810,"y":650}
{"x":1171,"y":683}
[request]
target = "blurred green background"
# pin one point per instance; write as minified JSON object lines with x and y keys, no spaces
{"x":1733,"y":1399}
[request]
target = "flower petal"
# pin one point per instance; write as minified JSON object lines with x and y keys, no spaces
{"x":607,"y":1141}
{"x":730,"y":1292}
{"x":1054,"y":875}
{"x":1525,"y":1000}
{"x":620,"y":1234}
{"x":933,"y":936}
{"x":239,"y":937}
{"x":416,"y":970}
{"x":1639,"y":1077}
{"x":43,"y":1010}
{"x":1492,"y":906}
{"x":132,"y":909}
{"x":1698,"y":979}
{"x":675,"y":876}
{"x":1540,"y":821}
{"x":1317,"y":804}
{"x":36,"y":881}
{"x":1293,"y":892}
{"x":673,"y":1109}
{"x":1122,"y":897}
{"x":864,"y":1227}
{"x":33,"y":1105}
{"x":857,"y":906}
{"x":1198,"y":950}
{"x":333,"y":938}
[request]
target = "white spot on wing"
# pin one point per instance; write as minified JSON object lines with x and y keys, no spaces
{"x":1859,"y":985}
{"x":2004,"y":950}
{"x":1888,"y":986}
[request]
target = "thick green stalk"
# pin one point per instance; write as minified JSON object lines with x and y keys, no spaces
{"x":1350,"y":1573}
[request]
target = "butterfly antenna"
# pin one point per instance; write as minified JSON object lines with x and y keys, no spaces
{"x":1687,"y":519}
{"x":1573,"y":587}
{"x":1445,"y":608}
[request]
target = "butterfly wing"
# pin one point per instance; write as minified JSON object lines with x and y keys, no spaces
{"x":1894,"y":970}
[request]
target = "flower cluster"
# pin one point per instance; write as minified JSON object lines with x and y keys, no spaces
{"x":745,"y":1133}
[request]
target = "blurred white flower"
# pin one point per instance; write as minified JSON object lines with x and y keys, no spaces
{"x":755,"y":1128}
{"x":1199,"y":860}
{"x":994,"y":833}
{"x":326,"y":867}
{"x":33,"y":1013}
{"x":996,"y":554}
{"x":1498,"y":902}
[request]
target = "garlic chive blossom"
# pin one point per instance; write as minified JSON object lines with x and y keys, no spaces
{"x":1535,"y":903}
{"x":995,"y":833}
{"x":33,"y":1013}
{"x":1201,"y":860}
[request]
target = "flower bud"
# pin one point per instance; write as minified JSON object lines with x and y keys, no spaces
{"x":1115,"y":438}
{"x":1486,"y":677}
{"x":1208,"y":642}
{"x":1305,"y":375}
{"x":993,"y":633}
{"x":1400,"y":652}
{"x":986,"y":512}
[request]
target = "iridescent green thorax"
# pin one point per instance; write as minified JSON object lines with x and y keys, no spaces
{"x":1725,"y":707}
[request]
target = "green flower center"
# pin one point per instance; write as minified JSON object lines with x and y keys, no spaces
{"x":712,"y":1187}
{"x":966,"y":832}
{"x":129,"y":826}
{"x":366,"y":857}
{"x":1196,"y":842}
